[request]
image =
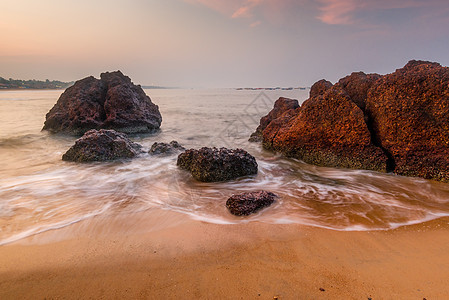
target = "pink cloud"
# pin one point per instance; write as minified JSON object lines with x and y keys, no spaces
{"x":342,"y":12}
{"x":256,"y":11}
{"x":255,"y":24}
{"x":333,"y":12}
{"x":242,"y":12}
{"x":337,"y":11}
{"x":233,"y":8}
{"x":245,"y":11}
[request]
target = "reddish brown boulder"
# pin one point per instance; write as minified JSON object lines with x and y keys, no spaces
{"x":329,"y":130}
{"x":319,"y":88}
{"x":409,"y":111}
{"x":112,"y":102}
{"x":270,"y":132}
{"x":281,"y":106}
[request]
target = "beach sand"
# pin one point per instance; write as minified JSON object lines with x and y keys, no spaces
{"x":165,"y":255}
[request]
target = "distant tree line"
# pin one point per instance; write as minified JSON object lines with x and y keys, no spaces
{"x":32,"y":84}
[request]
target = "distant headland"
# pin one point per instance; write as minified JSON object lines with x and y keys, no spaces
{"x":14,"y":84}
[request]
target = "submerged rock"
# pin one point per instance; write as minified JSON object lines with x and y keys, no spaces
{"x":248,"y":203}
{"x":212,"y":164}
{"x":111,"y":102}
{"x":281,"y":106}
{"x":166,"y":148}
{"x":397,"y":122}
{"x":101,"y":145}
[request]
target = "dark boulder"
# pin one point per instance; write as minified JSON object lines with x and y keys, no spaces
{"x":101,"y":145}
{"x":111,"y":102}
{"x":166,"y":148}
{"x":248,"y":203}
{"x":409,"y":111}
{"x":212,"y":164}
{"x":281,"y":106}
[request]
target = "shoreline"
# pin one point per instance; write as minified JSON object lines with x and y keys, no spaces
{"x":163,"y":254}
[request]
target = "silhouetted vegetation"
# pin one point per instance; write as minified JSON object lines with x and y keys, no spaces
{"x":32,"y":84}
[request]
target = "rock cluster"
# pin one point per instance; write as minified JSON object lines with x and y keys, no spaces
{"x":327,"y":130}
{"x":111,"y":102}
{"x":397,"y":122}
{"x":212,"y":164}
{"x":250,"y":202}
{"x":102,"y":145}
{"x":96,"y":108}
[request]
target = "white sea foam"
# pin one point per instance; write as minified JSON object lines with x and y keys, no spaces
{"x":40,"y":192}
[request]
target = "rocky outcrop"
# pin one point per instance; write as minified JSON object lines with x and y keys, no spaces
{"x":281,"y":106}
{"x":409,"y":111}
{"x":212,"y":164}
{"x":328,"y":130}
{"x":101,"y":145}
{"x":111,"y":102}
{"x":248,"y":203}
{"x":166,"y":148}
{"x":397,"y":122}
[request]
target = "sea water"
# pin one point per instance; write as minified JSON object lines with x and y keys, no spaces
{"x":39,"y":191}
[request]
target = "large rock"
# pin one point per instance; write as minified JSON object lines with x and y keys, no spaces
{"x":409,"y":110}
{"x":397,"y":122}
{"x":248,"y":203}
{"x":212,"y":164}
{"x":101,"y":145}
{"x":166,"y":148}
{"x":112,"y":102}
{"x":328,"y":130}
{"x":281,"y":106}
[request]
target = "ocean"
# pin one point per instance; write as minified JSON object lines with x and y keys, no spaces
{"x":40,"y":192}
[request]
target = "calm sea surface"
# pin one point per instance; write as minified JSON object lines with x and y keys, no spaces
{"x":39,"y":192}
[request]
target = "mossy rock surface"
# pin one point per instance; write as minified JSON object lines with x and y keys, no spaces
{"x":213,"y":164}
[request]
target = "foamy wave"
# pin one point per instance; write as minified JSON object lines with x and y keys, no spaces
{"x":40,"y":192}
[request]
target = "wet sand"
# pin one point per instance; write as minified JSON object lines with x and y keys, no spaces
{"x":164,"y":255}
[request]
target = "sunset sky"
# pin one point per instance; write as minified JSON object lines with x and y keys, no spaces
{"x":213,"y":43}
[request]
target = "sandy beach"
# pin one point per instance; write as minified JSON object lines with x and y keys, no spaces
{"x":165,"y":255}
{"x":206,"y":149}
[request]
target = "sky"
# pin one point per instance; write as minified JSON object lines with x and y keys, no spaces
{"x":213,"y":43}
